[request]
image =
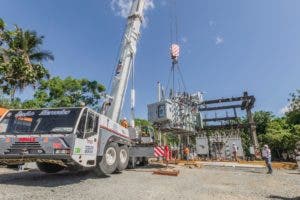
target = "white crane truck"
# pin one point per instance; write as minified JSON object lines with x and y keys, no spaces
{"x":74,"y":138}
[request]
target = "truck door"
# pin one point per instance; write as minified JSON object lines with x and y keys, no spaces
{"x":86,"y":142}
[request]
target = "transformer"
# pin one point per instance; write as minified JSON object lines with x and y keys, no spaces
{"x":177,"y":114}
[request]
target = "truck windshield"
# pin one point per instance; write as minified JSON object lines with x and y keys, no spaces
{"x":40,"y":121}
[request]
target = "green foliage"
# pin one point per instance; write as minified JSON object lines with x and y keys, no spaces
{"x":279,"y":137}
{"x":293,"y":116}
{"x":20,"y":59}
{"x":146,"y":127}
{"x":262,"y":119}
{"x":246,"y":142}
{"x":2,"y":24}
{"x":295,"y":100}
{"x":7,"y":103}
{"x":142,"y":122}
{"x":173,"y":139}
{"x":68,"y":92}
{"x":21,"y":66}
{"x":279,"y":133}
{"x":276,"y":131}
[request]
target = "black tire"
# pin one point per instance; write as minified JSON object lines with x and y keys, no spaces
{"x":49,"y":167}
{"x":123,"y":158}
{"x":105,"y":166}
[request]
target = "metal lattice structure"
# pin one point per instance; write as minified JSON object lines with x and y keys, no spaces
{"x":224,"y":131}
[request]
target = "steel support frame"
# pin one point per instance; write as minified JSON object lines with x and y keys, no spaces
{"x":246,"y":103}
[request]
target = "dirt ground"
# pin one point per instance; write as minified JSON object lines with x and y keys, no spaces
{"x":209,"y":182}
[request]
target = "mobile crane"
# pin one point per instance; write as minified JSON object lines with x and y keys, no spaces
{"x":73,"y":138}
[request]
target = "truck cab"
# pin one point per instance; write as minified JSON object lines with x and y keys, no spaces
{"x":63,"y":138}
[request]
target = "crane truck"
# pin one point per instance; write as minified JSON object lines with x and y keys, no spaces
{"x":79,"y":137}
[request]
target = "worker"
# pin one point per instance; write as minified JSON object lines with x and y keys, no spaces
{"x":234,"y":152}
{"x":124,"y":122}
{"x":186,"y":152}
{"x":266,"y":154}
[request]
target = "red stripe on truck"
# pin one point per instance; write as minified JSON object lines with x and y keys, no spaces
{"x":115,"y":132}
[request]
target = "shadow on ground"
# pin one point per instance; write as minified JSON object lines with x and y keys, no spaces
{"x":41,"y":179}
{"x":37,"y":178}
{"x":283,"y":198}
{"x":256,"y":172}
{"x":152,"y":166}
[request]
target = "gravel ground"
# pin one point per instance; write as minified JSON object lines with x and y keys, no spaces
{"x":197,"y":183}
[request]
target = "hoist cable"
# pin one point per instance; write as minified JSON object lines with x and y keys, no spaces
{"x":180,"y":73}
{"x":171,"y":23}
{"x":176,"y":21}
{"x":169,"y":78}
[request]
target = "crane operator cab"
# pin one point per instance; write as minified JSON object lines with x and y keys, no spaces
{"x":62,"y":138}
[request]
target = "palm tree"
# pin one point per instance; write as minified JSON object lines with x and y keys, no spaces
{"x":28,"y":43}
{"x":23,"y":64}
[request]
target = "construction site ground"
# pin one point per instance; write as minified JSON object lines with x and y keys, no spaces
{"x":207,"y":181}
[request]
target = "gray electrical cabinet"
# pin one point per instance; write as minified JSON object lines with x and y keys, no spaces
{"x":161,"y":111}
{"x":174,"y":115}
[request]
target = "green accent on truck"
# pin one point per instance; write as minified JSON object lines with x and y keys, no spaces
{"x":77,"y":150}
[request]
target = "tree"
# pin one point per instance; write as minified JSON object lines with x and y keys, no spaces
{"x":141,"y":122}
{"x":21,"y":59}
{"x":279,"y":137}
{"x":7,"y":103}
{"x":68,"y":92}
{"x":293,"y":115}
{"x":262,"y":119}
{"x":2,"y":24}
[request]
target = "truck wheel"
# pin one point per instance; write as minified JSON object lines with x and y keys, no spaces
{"x":49,"y":167}
{"x":109,"y":161}
{"x":123,"y":158}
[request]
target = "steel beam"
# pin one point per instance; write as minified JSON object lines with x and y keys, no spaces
{"x":227,"y":126}
{"x":219,"y":119}
{"x":220,"y":108}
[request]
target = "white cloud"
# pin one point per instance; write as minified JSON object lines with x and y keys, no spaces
{"x":219,"y":40}
{"x":285,"y":109}
{"x":122,"y":7}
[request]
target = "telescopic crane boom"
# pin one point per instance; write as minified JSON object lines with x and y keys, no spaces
{"x":126,"y":60}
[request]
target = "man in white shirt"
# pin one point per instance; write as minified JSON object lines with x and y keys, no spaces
{"x":266,"y":154}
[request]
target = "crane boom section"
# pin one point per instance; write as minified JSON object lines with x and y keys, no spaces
{"x":126,"y":57}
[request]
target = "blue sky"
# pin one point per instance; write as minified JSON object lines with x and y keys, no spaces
{"x":227,"y":47}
